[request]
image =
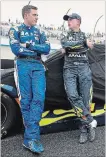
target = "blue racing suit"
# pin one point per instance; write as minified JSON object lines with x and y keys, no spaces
{"x":30,"y":75}
{"x":77,"y":74}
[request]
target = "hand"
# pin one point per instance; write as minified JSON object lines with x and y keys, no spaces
{"x":23,"y":45}
{"x":63,"y":51}
{"x":89,"y":44}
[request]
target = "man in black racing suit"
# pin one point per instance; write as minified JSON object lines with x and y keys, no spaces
{"x":77,"y":75}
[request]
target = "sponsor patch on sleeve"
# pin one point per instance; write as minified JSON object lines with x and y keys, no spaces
{"x":11,"y":33}
{"x":13,"y":41}
{"x":21,"y":50}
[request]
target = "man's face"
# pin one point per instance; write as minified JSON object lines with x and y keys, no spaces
{"x":32,"y":17}
{"x":73,"y":23}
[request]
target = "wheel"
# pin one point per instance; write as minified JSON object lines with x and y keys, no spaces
{"x":8,"y":114}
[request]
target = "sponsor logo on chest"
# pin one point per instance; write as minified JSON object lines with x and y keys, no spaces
{"x":22,"y":33}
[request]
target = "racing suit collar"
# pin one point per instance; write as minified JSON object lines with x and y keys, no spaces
{"x":27,"y":27}
{"x":72,"y":31}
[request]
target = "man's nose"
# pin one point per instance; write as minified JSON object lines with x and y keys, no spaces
{"x":36,"y":17}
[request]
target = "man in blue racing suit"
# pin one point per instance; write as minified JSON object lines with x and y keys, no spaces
{"x":77,"y":75}
{"x":28,"y":42}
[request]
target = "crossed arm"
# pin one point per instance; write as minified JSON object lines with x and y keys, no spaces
{"x":20,"y":49}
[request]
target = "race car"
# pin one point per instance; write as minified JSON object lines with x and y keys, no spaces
{"x":58,"y":114}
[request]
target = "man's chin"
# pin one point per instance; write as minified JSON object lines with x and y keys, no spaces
{"x":69,"y":27}
{"x":34,"y":24}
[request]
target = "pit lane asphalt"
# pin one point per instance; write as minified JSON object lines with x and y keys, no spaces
{"x":62,"y":144}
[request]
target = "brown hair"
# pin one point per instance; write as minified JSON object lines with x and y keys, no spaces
{"x":27,"y":9}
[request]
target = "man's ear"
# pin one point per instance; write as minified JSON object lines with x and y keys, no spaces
{"x":79,"y":22}
{"x":25,"y":15}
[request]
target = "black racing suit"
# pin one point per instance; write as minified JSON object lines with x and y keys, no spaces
{"x":77,"y":74}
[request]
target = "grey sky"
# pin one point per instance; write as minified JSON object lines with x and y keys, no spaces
{"x":51,"y":12}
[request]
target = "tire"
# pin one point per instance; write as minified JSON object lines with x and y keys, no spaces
{"x":8,"y":114}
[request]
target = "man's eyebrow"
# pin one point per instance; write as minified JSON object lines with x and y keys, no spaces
{"x":35,"y":14}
